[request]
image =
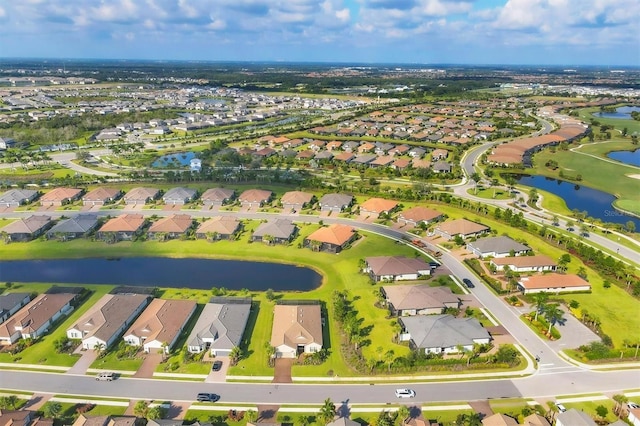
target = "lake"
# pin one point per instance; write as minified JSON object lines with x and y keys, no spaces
{"x":163,"y":272}
{"x":623,"y":113}
{"x":596,"y":203}
{"x":178,"y":159}
{"x":627,"y":157}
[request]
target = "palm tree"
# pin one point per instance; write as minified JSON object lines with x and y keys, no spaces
{"x":235,"y":355}
{"x":99,"y":347}
{"x":141,"y":409}
{"x":620,"y":400}
{"x":52,"y":410}
{"x":327,"y":412}
{"x":553,"y":314}
{"x":251,"y":416}
{"x":540,"y":300}
{"x":402,"y":414}
{"x":389,"y":356}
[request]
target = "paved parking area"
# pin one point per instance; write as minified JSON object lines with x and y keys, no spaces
{"x":218,"y":376}
{"x":86,"y":359}
{"x":148,"y":367}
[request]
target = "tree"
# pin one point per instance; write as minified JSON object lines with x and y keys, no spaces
{"x":141,"y":409}
{"x":389,"y":356}
{"x":52,"y":410}
{"x":235,"y":355}
{"x":602,"y":411}
{"x":402,"y":414}
{"x":156,"y":412}
{"x":540,"y":300}
{"x":327,"y":412}
{"x":385,"y":418}
{"x":553,"y":314}
{"x":251,"y":416}
{"x":472,"y":419}
{"x":9,"y":401}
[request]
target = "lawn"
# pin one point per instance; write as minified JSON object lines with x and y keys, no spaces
{"x":589,"y":407}
{"x":587,"y":114}
{"x":496,"y":193}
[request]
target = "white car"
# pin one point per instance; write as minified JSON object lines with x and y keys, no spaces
{"x":561,"y":408}
{"x":632,"y":405}
{"x":105,"y":377}
{"x":405,"y":393}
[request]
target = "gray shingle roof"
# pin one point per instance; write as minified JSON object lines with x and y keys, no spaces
{"x":180,"y":194}
{"x":10,"y":300}
{"x":81,"y":223}
{"x":224,"y":323}
{"x":443,"y":331}
{"x":336,"y":200}
{"x":17,"y":196}
{"x":278,"y":228}
{"x":500,"y":244}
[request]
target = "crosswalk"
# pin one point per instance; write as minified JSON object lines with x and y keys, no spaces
{"x":551,"y":368}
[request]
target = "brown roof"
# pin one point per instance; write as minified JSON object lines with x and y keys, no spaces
{"x":217,"y":194}
{"x":224,"y":225}
{"x":27,"y":225}
{"x":344,"y":156}
{"x":296,"y":197}
{"x":141,"y":193}
{"x":419,"y":214}
{"x":105,"y":318}
{"x":101,"y":194}
{"x":404,"y":297}
{"x":552,"y":280}
{"x":336,"y":234}
{"x":499,"y":419}
{"x":461,"y":226}
{"x":127,"y":222}
{"x":396,"y":265}
{"x":296,"y":324}
{"x":378,"y":205}
{"x":61,"y":194}
{"x":401,"y":163}
{"x":382,"y":160}
{"x":525,"y":261}
{"x":174,"y":223}
{"x":255,"y":195}
{"x":162,"y":320}
{"x":36,"y":313}
{"x":535,"y":419}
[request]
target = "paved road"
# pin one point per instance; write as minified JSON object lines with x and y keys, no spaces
{"x":537,"y":386}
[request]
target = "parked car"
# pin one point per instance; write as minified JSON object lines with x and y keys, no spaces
{"x":405,"y":393}
{"x":561,"y":408}
{"x":105,"y":377}
{"x":633,"y":405}
{"x":207,"y":397}
{"x":217,"y":366}
{"x":467,"y":282}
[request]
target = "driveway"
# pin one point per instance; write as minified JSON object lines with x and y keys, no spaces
{"x":282,"y":371}
{"x":218,"y":376}
{"x":574,"y":334}
{"x":148,"y":367}
{"x":86,"y":359}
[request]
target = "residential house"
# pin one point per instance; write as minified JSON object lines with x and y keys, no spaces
{"x":179,"y":196}
{"x":418,"y":215}
{"x":101,"y":196}
{"x":401,"y":164}
{"x":442,"y":333}
{"x":573,"y":417}
{"x":634,"y":416}
{"x":220,"y":326}
{"x":17,"y":197}
{"x":382,"y":161}
{"x":333,"y":238}
{"x":255,"y":197}
{"x":296,"y":200}
{"x":501,"y":246}
{"x":499,"y":419}
{"x":217,"y":196}
{"x":364,"y":159}
{"x":553,"y":283}
{"x":141,"y":196}
{"x":335,"y":202}
{"x":107,"y":319}
{"x":538,"y":263}
{"x":297,"y":329}
{"x":441,"y":167}
{"x":10,"y":303}
{"x":219,"y":227}
{"x":275,"y":231}
{"x":439,"y":154}
{"x":343,"y":421}
{"x":26,"y":229}
{"x":107,"y":420}
{"x":77,"y":226}
{"x":377,"y":206}
{"x":535,"y":419}
{"x":174,"y":226}
{"x":417,"y":152}
{"x":60,"y":196}
{"x":395,"y":268}
{"x":21,"y":417}
{"x":407,"y":300}
{"x":344,"y":157}
{"x":323,"y":155}
{"x":160,"y":324}
{"x":463,"y":227}
{"x":6,"y":143}
{"x":123,"y":227}
{"x":33,"y":320}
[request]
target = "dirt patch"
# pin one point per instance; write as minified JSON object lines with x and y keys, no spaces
{"x":282,"y":371}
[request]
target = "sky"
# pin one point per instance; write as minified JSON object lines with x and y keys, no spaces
{"x":513,"y":32}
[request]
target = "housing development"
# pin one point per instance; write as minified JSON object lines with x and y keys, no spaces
{"x":181,"y":250}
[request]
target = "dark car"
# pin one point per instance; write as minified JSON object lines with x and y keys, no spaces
{"x":207,"y":397}
{"x":434,"y":264}
{"x":217,"y":366}
{"x":467,"y":282}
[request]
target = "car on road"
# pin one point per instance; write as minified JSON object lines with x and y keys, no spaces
{"x":405,"y":393}
{"x":105,"y":377}
{"x":207,"y":397}
{"x":217,"y":366}
{"x":561,"y":408}
{"x":467,"y":282}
